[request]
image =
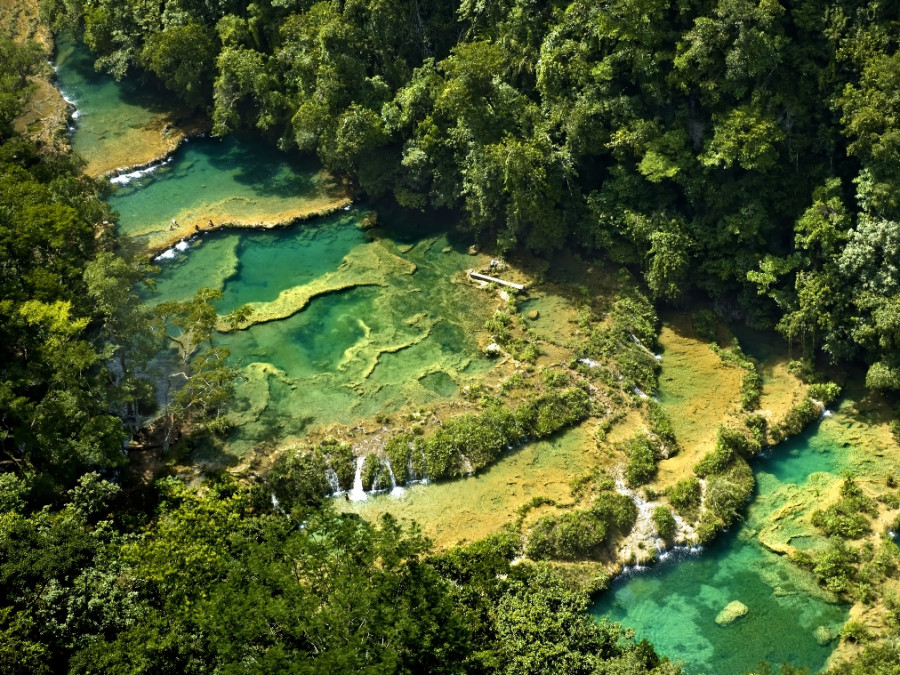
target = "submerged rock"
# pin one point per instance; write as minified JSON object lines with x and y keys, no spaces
{"x":534,"y":315}
{"x":733,"y":611}
{"x":823,"y":635}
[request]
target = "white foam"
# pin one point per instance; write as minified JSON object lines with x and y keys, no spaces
{"x":125,"y":178}
{"x":183,"y":245}
{"x":168,"y":254}
{"x":357,"y":493}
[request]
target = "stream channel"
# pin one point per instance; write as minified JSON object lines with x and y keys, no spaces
{"x":352,"y":322}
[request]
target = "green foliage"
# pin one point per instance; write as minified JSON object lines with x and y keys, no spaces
{"x":684,"y":496}
{"x":374,"y":473}
{"x":662,"y":427}
{"x":581,"y":534}
{"x":751,"y":384}
{"x":398,"y":450}
{"x":642,"y":454}
{"x":849,"y":517}
{"x":826,"y":393}
{"x":664,"y":522}
{"x":835,"y":566}
{"x":796,"y":419}
{"x":297,"y":477}
{"x":714,"y":462}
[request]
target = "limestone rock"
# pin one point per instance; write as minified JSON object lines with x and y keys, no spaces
{"x":534,"y":315}
{"x":733,"y":611}
{"x":492,"y":349}
{"x":823,"y":635}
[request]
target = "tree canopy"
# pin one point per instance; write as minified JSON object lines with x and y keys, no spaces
{"x":695,"y":140}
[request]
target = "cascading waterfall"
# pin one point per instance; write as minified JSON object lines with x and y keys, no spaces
{"x":396,"y":490}
{"x":333,"y":482}
{"x":357,"y":493}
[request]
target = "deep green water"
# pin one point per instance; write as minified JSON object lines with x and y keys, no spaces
{"x":675,"y":602}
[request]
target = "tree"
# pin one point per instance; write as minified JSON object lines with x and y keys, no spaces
{"x":206,"y":377}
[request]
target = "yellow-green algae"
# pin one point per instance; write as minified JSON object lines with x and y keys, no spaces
{"x":366,"y":265}
{"x":467,"y":509}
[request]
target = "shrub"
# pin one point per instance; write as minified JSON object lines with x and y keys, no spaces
{"x":580,"y":534}
{"x":339,"y":456}
{"x":796,"y":419}
{"x":547,"y":414}
{"x":835,"y":568}
{"x":641,"y":466}
{"x":297,"y":478}
{"x":826,"y":392}
{"x":708,"y":527}
{"x":684,"y":496}
{"x":855,"y":631}
{"x":756,"y":424}
{"x":399,"y":450}
{"x":664,"y":522}
{"x":556,"y":379}
{"x":847,"y":518}
{"x":372,"y":473}
{"x":714,"y":462}
{"x":662,"y":426}
{"x":617,"y":511}
{"x":725,"y":497}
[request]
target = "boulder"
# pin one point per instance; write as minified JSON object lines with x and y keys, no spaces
{"x":493,"y":349}
{"x":534,"y":315}
{"x":733,"y":611}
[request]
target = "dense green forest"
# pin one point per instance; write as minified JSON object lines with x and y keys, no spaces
{"x":744,"y":150}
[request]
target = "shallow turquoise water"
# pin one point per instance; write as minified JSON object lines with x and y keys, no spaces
{"x":212,"y":179}
{"x":106,"y":108}
{"x":347,"y":355}
{"x":257,"y":265}
{"x":675,"y":602}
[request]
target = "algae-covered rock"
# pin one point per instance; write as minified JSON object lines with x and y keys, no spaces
{"x":534,"y":315}
{"x":733,"y":611}
{"x":823,"y":635}
{"x":365,"y":265}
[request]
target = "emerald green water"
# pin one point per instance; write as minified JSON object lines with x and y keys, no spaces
{"x":227,"y":180}
{"x":106,"y":108}
{"x":674,"y":603}
{"x":347,"y":355}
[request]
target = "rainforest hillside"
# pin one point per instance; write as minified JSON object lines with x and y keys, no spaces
{"x":745,"y":150}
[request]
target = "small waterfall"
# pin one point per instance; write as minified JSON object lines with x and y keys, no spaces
{"x":396,"y":490}
{"x":333,"y":482}
{"x":590,"y":363}
{"x":357,"y":494}
{"x":641,"y":394}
